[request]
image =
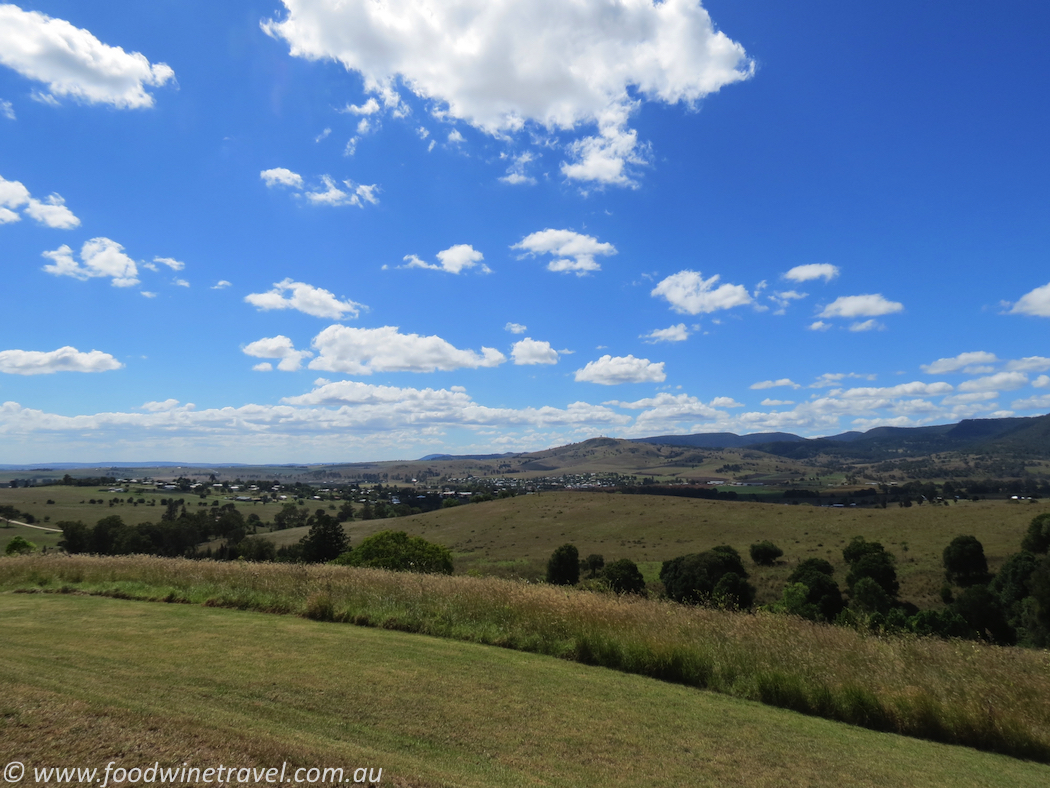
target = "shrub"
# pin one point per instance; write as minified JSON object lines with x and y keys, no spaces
{"x":594,"y":563}
{"x":964,"y":562}
{"x":983,"y":611}
{"x":878,"y":566}
{"x":563,"y":567}
{"x":624,"y":577}
{"x":256,"y":548}
{"x":765,"y":553}
{"x":399,"y":552}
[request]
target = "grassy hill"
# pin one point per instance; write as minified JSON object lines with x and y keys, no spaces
{"x":515,"y":536}
{"x":91,"y":680}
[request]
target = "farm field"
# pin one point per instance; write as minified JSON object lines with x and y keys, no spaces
{"x":84,"y":686}
{"x":71,"y":503}
{"x":515,"y":536}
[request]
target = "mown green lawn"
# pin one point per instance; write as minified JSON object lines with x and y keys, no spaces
{"x":88,"y":680}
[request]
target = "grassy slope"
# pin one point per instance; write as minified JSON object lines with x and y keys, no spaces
{"x":517,"y":535}
{"x":84,"y":685}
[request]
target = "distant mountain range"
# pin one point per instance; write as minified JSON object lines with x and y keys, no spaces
{"x":1027,"y":437}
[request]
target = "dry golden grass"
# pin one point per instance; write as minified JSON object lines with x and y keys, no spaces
{"x":962,"y":692}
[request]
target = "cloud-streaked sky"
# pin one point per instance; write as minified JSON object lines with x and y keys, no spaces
{"x":334,"y":231}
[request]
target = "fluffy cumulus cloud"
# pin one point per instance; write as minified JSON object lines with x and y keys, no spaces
{"x":1029,"y":364}
{"x":613,"y":370}
{"x":280,"y":176}
{"x":976,"y":362}
{"x":1001,"y":381}
{"x":811,"y":271}
{"x":689,"y":293}
{"x":530,"y":351}
{"x":515,"y":328}
{"x":304,"y":298}
{"x":454,"y":260}
{"x":279,"y":347}
{"x":501,"y":65}
{"x":362,"y":351}
{"x":99,"y":257}
{"x":73,"y":63}
{"x":65,"y":359}
{"x":51,"y":212}
{"x":872,"y":305}
{"x":678,"y":333}
{"x":1037,"y":303}
{"x":573,"y":252}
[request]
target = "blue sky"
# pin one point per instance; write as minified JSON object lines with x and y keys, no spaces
{"x":321,"y":232}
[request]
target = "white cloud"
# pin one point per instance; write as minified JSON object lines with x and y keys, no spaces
{"x":774,"y":403}
{"x":834,"y":378}
{"x":101,"y":257}
{"x":515,"y":328}
{"x":362,"y":351}
{"x":573,"y":252}
{"x":52,"y":212}
{"x":516,"y":171}
{"x":222,"y":284}
{"x":455,"y":138}
{"x":1037,"y":303}
{"x":1041,"y":403}
{"x":688,"y":292}
{"x":1029,"y":364}
{"x":771,"y":384}
{"x":173,"y":264}
{"x":164,"y":406}
{"x":264,"y":366}
{"x":453,"y":260}
{"x":613,"y":370}
{"x":867,"y":325}
{"x":180,"y":282}
{"x":280,"y":347}
{"x":1042,"y":382}
{"x":1001,"y":381}
{"x":280,"y":176}
{"x":304,"y":298}
{"x":332,"y":195}
{"x":7,"y":109}
{"x":871,"y":305}
{"x":678,"y":333}
{"x":148,"y":294}
{"x":370,"y":107}
{"x":725,"y":402}
{"x":65,"y":359}
{"x":818,"y":325}
{"x":806,"y":273}
{"x":530,"y":351}
{"x":72,"y":62}
{"x":783,"y":299}
{"x":968,"y":362}
{"x":500,"y":65}
{"x":323,"y":135}
{"x":606,"y":158}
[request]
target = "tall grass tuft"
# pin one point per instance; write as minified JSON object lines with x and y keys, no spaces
{"x":957,"y":692}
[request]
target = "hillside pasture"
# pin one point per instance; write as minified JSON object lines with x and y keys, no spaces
{"x":253,"y":690}
{"x":514,"y":537}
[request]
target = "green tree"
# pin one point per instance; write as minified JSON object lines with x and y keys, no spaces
{"x":822,"y":600}
{"x":1037,"y":538}
{"x":624,"y":577}
{"x":593,"y":564}
{"x":396,"y":551}
{"x":964,"y":562}
{"x":692,"y":578}
{"x":985,"y":614}
{"x":257,"y":548}
{"x":563,"y":567}
{"x":325,"y":540}
{"x":19,"y":546}
{"x":76,"y":537}
{"x":765,"y":553}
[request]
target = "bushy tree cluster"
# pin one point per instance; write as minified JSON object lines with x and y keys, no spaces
{"x":715,"y":576}
{"x":399,"y":552}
